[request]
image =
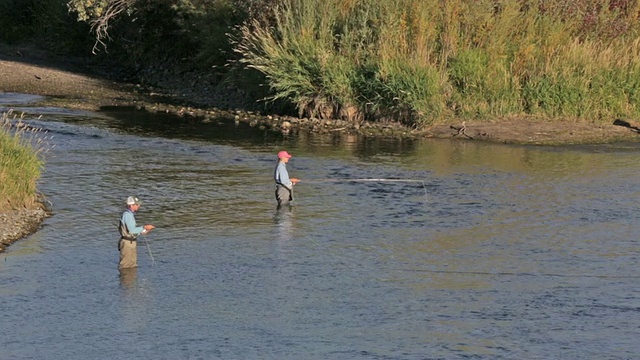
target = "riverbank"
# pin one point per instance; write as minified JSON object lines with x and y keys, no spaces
{"x":17,"y":224}
{"x":78,"y":84}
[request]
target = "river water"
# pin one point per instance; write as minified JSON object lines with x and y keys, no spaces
{"x":482,"y":251}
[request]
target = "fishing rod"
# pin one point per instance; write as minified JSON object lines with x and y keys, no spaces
{"x":149,"y":250}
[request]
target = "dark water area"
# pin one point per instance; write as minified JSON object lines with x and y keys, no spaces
{"x":394,"y":249}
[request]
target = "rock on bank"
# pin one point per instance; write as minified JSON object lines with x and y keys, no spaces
{"x":17,"y":224}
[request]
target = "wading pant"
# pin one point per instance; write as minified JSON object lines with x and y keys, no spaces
{"x":128,"y":254}
{"x":283,"y":195}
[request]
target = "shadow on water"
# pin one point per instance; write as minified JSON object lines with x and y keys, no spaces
{"x":221,"y":129}
{"x":229,"y":131}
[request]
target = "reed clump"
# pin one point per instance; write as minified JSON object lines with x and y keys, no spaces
{"x":22,"y":159}
{"x":423,"y":61}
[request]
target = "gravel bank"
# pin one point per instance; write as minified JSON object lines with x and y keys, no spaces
{"x":17,"y":224}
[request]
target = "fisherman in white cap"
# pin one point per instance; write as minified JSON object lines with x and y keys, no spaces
{"x":284,"y":184}
{"x":129,"y":232}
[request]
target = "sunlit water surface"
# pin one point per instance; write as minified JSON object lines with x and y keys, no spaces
{"x":483,"y":251}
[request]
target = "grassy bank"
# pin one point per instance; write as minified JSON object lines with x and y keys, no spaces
{"x":419,"y":61}
{"x":21,"y":161}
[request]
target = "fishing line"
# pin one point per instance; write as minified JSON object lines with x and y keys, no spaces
{"x":149,"y":250}
{"x":424,"y":187}
{"x":311,"y":181}
{"x":472,"y":273}
{"x":483,"y":273}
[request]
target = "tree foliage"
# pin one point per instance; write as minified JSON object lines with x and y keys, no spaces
{"x":99,"y":14}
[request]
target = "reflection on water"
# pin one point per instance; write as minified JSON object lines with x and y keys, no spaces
{"x":516,"y":253}
{"x":284,"y":220}
{"x":128,"y":278}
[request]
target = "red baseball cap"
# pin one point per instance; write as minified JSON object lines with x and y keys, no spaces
{"x":283,"y":154}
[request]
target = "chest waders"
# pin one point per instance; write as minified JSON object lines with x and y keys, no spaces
{"x":284,"y":195}
{"x":125,"y":234}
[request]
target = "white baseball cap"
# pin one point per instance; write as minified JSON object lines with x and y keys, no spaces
{"x":132,"y":200}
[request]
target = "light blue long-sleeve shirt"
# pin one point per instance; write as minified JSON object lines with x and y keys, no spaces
{"x":130,"y":221}
{"x":281,"y":176}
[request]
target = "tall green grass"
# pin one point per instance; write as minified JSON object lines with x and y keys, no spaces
{"x":413,"y":61}
{"x":22,"y":151}
{"x":422,"y":61}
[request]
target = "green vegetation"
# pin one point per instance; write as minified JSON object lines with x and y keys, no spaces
{"x":413,"y":61}
{"x":21,"y":162}
{"x":419,"y":61}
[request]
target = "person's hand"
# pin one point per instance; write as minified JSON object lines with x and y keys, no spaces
{"x":148,"y":228}
{"x":294,"y":180}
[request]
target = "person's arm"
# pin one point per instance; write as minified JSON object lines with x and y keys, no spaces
{"x":130,"y":222}
{"x":282,"y":176}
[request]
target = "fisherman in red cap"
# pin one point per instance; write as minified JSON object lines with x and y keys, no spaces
{"x":284,"y":184}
